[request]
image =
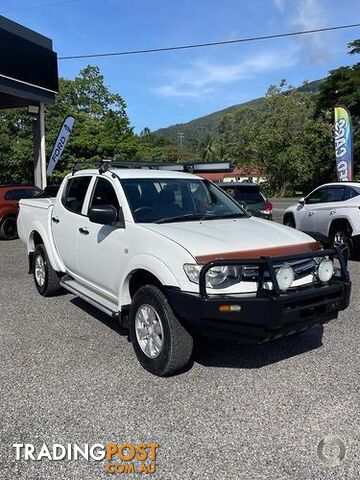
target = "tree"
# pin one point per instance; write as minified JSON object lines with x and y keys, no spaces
{"x":354,"y":47}
{"x":16,"y":147}
{"x":208,"y":148}
{"x":102,"y":129}
{"x":283,"y":138}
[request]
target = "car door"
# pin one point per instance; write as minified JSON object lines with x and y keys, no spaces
{"x":306,"y":212}
{"x":67,"y":218}
{"x":102,"y":247}
{"x":329,"y":208}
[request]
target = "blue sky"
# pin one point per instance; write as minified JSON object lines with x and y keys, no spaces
{"x":167,"y":88}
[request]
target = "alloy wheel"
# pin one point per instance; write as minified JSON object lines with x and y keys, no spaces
{"x":149,"y":331}
{"x":40,"y":273}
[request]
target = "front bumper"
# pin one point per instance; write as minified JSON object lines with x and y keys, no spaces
{"x":265,"y":316}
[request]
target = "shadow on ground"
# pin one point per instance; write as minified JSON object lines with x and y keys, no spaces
{"x":215,"y":354}
{"x":208,"y":352}
{"x":99,"y":315}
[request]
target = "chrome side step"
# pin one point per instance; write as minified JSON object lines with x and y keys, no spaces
{"x":90,"y":296}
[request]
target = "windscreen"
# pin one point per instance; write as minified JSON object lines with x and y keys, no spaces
{"x":177,"y":200}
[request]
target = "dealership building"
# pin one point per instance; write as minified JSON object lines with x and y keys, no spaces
{"x":29,"y":79}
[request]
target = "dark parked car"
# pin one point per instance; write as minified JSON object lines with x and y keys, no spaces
{"x":9,"y":198}
{"x":250,"y":196}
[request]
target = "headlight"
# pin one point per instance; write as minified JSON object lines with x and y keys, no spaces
{"x":285,"y":277}
{"x":192,"y":272}
{"x":325,"y":270}
{"x":217,"y":277}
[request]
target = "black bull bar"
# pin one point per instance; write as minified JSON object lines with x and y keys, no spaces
{"x":267,"y":264}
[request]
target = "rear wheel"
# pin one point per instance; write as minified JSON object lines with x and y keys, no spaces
{"x":47,"y":281}
{"x":160,"y":342}
{"x":8,"y":229}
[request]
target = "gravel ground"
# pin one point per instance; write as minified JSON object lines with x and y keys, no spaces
{"x":241,"y":412}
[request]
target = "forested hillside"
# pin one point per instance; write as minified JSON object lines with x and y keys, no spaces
{"x":196,"y":130}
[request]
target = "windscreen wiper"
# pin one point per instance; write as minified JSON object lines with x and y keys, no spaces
{"x":192,"y":216}
{"x":180,"y":218}
{"x":223,"y":217}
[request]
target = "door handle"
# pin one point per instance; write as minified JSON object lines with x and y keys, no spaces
{"x":311,"y":213}
{"x":55,"y":219}
{"x":84,"y":231}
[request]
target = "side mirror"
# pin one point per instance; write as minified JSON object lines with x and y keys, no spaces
{"x":302,"y":201}
{"x":107,"y":215}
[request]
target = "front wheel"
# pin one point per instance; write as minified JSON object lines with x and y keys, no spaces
{"x":160,"y":342}
{"x":289,"y":221}
{"x":342,"y":236}
{"x":8,"y":229}
{"x":47,"y":281}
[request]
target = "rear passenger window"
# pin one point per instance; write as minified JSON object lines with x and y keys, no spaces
{"x":351,"y":193}
{"x":334,"y":194}
{"x":75,"y":192}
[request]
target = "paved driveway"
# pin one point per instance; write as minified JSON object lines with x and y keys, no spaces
{"x":241,"y":412}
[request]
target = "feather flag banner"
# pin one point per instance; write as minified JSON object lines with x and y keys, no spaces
{"x":343,"y":145}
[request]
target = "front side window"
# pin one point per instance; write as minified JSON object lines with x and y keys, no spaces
{"x":75,"y":191}
{"x":104,"y":194}
{"x":318,"y":196}
{"x":175,"y":200}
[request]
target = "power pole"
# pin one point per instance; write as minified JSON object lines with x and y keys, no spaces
{"x":38,"y":113}
{"x":181,"y":138}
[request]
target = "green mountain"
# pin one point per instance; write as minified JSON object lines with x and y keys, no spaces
{"x":198,"y":128}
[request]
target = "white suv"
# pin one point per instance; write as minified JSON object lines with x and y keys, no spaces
{"x":330,"y":213}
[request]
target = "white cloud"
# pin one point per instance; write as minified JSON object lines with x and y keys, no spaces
{"x":280,"y":5}
{"x":307,"y":15}
{"x":203,"y":76}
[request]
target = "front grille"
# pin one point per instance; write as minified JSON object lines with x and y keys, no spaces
{"x":302,"y":268}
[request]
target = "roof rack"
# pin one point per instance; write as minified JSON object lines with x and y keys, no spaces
{"x":190,"y":167}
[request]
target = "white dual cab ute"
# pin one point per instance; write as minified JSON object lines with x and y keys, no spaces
{"x":330,"y":214}
{"x":172,"y":256}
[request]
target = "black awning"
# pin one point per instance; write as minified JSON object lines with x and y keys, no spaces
{"x":28,"y":66}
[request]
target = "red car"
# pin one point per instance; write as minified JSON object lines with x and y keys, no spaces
{"x":9,"y":198}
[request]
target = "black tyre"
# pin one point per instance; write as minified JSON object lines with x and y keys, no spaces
{"x":46,"y":280}
{"x":289,"y":221}
{"x":160,"y":342}
{"x":341,"y":235}
{"x":8,"y":229}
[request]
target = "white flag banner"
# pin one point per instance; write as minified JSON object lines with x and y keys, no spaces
{"x":60,"y":143}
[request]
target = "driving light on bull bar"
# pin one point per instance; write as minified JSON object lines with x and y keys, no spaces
{"x":325,"y":270}
{"x":285,"y":277}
